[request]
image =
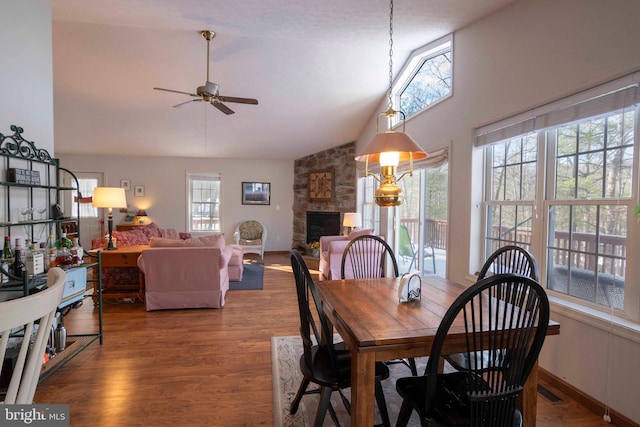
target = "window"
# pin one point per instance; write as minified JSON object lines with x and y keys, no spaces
{"x":204,"y":202}
{"x":511,"y":191}
{"x":576,"y":165}
{"x":426,"y":78}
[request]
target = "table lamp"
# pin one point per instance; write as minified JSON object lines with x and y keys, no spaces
{"x":109,"y":197}
{"x":141,"y":217}
{"x":351,"y":221}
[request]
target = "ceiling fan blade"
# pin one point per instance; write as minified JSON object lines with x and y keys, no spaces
{"x":176,"y":91}
{"x":238,"y":100}
{"x":187,"y":102}
{"x":220,"y":106}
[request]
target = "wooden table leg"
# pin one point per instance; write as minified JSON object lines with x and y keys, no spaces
{"x":363,"y":375}
{"x":530,"y":398}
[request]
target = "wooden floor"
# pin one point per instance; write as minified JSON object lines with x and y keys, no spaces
{"x":199,"y":367}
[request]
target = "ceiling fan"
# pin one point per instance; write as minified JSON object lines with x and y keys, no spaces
{"x":209,"y":92}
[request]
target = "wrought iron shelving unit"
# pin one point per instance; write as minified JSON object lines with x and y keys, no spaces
{"x":17,"y":152}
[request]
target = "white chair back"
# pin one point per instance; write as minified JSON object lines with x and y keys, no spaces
{"x":22,"y":316}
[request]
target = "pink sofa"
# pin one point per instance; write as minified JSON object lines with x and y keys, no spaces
{"x":331,"y":250}
{"x":142,"y":236}
{"x":194,"y":277}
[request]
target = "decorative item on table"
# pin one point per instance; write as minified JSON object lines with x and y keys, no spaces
{"x":314,"y":248}
{"x":410,"y":287}
{"x":110,"y":197}
{"x":391,"y":147}
{"x":351,"y":221}
{"x":141,"y":217}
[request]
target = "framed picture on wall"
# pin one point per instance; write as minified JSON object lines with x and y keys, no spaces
{"x":256,"y":193}
{"x":321,"y":185}
{"x":138,"y":190}
{"x":126,"y":184}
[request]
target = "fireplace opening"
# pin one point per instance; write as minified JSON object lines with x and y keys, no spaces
{"x":322,"y":224}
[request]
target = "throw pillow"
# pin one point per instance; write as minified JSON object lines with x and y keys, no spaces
{"x":357,"y":233}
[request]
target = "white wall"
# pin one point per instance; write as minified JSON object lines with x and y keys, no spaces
{"x":165,"y":185}
{"x":524,"y":56}
{"x":26,"y":76}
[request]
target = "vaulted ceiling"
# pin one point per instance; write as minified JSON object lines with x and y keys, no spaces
{"x":319,"y":70}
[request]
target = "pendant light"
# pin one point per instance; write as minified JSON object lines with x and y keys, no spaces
{"x":391,"y":147}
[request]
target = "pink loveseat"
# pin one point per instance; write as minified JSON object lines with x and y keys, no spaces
{"x":191,"y":273}
{"x":331,"y":250}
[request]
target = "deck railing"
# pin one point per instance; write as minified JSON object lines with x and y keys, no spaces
{"x":435,"y":231}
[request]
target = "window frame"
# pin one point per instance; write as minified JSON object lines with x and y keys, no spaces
{"x":412,"y":66}
{"x":203,"y":176}
{"x":546,"y":199}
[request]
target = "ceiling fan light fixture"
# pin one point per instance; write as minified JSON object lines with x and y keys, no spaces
{"x":212,"y":88}
{"x":210,"y":91}
{"x":391,"y":147}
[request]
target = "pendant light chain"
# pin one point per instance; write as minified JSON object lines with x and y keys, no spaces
{"x":390,"y":53}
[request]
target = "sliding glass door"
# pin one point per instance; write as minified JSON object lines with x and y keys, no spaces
{"x":421,"y":221}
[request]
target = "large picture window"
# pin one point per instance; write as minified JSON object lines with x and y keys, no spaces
{"x":562,"y":185}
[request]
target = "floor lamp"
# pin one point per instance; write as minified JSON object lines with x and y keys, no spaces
{"x":109,"y":197}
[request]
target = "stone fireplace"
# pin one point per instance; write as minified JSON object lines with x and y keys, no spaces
{"x":341,"y":160}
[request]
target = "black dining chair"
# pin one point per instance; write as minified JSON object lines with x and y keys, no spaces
{"x":507,"y":259}
{"x":368,"y":257}
{"x":503,"y":312}
{"x":322,"y":362}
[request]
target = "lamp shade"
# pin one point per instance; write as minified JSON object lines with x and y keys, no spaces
{"x":352,"y":219}
{"x":109,"y":197}
{"x":392,"y":141}
{"x":141,"y":212}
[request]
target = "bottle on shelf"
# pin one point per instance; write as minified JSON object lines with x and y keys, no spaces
{"x":18,"y":266}
{"x":76,"y":251}
{"x":63,"y":256}
{"x":50,"y":252}
{"x":34,"y":260}
{"x":7,"y":258}
{"x":45,"y":256}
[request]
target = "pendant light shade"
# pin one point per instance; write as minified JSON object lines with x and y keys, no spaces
{"x":388,"y":142}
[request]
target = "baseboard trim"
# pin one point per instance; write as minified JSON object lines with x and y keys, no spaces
{"x":584,"y":399}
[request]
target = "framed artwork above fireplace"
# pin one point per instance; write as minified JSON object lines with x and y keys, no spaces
{"x":321,"y":185}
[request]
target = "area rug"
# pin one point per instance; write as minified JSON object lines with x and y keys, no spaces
{"x":285,"y":359}
{"x":252,"y":278}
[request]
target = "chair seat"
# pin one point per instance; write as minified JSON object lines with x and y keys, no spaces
{"x":323,"y":375}
{"x":452,"y":403}
{"x":462,"y":361}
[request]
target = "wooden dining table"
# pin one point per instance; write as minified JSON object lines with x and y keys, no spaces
{"x":376,"y":327}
